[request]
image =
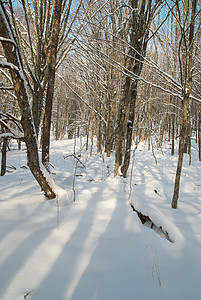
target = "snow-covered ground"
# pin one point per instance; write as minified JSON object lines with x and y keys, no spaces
{"x":95,"y":248}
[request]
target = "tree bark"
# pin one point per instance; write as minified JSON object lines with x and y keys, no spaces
{"x":140,"y":23}
{"x":187,"y":67}
{"x":130,"y":125}
{"x":3,"y":158}
{"x":199,"y":134}
{"x":51,"y":62}
{"x":181,"y":154}
{"x":120,"y":130}
{"x":37,"y":105}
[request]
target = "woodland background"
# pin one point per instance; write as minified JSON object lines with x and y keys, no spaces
{"x":117,"y":70}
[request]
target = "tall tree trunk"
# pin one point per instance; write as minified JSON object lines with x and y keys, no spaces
{"x":199,"y":133}
{"x":51,"y":61}
{"x":37,"y":105}
{"x":15,"y":67}
{"x":110,"y":121}
{"x":3,"y":158}
{"x":120,"y":130}
{"x":99,"y":130}
{"x":173,"y":101}
{"x":141,"y":16}
{"x":188,"y":38}
{"x":181,"y":153}
{"x":130,"y":124}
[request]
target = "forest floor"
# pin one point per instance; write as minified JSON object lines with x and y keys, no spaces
{"x":89,"y":244}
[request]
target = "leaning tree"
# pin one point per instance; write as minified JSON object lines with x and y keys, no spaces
{"x":14,"y":64}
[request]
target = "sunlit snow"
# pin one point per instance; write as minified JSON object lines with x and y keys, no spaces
{"x":95,"y":248}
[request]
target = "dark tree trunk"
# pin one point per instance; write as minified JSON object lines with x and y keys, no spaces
{"x":181,"y":154}
{"x":121,"y":128}
{"x":187,"y":86}
{"x":51,"y":61}
{"x":142,"y":14}
{"x":3,"y":159}
{"x":199,"y":134}
{"x":129,"y":134}
{"x":110,"y":127}
{"x":37,"y":106}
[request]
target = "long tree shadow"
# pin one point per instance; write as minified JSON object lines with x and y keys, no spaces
{"x":109,"y":273}
{"x":19,"y":212}
{"x":99,"y":246}
{"x":19,"y":257}
{"x":24,"y":231}
{"x":61,"y":273}
{"x":77,"y":255}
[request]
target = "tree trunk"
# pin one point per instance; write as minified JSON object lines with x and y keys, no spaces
{"x":51,"y":61}
{"x":173,"y":126}
{"x":37,"y":105}
{"x":99,"y":130}
{"x":181,"y":154}
{"x":199,"y":134}
{"x":140,"y":20}
{"x":92,"y":133}
{"x":88,"y":130}
{"x":3,"y":159}
{"x":130,"y":123}
{"x":15,"y":67}
{"x":120,"y":131}
{"x":187,"y":86}
{"x":110,"y":127}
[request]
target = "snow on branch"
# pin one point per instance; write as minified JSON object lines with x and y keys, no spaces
{"x":4,"y":40}
{"x":7,"y":65}
{"x":10,"y":130}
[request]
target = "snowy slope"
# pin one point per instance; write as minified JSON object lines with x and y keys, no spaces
{"x":96,"y":247}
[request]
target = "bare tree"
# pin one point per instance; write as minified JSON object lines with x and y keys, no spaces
{"x":15,"y":66}
{"x":140,"y":18}
{"x":51,"y":65}
{"x":46,"y":36}
{"x":186,"y":18}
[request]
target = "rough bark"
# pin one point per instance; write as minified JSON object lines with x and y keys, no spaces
{"x":37,"y":105}
{"x":51,"y":62}
{"x":130,"y":123}
{"x":3,"y":158}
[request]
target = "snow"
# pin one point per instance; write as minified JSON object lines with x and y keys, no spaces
{"x":96,"y":247}
{"x":6,"y":135}
{"x":8,"y":65}
{"x":2,"y":39}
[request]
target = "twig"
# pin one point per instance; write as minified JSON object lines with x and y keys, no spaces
{"x":74,"y":180}
{"x":76,"y":158}
{"x":131,"y":176}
